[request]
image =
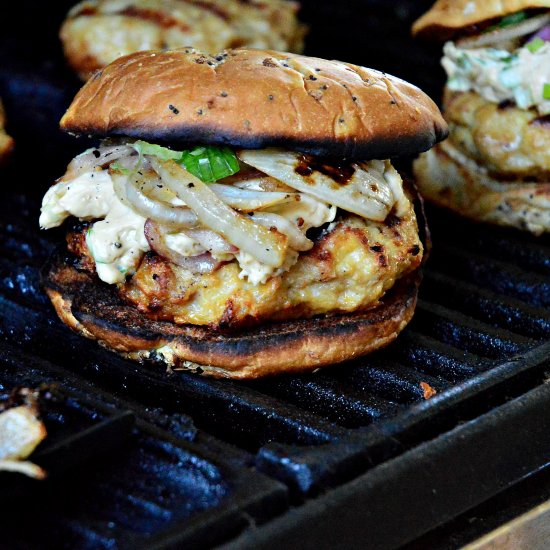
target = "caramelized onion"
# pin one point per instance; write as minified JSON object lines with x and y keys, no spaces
{"x":129,"y":192}
{"x":365,"y":193}
{"x":505,"y":34}
{"x":249,"y":200}
{"x":266,"y":246}
{"x":211,"y":241}
{"x":97,"y":158}
{"x":296,"y":239}
{"x":156,"y":237}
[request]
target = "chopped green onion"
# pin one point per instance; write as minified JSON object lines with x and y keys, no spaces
{"x":162,"y":153}
{"x":210,"y":164}
{"x":546,"y":91}
{"x":509,"y":20}
{"x":535,"y":45}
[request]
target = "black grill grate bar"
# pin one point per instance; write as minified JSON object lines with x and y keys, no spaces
{"x":122,"y":494}
{"x":500,"y":277}
{"x":22,"y":283}
{"x":389,"y":379}
{"x":459,"y":330}
{"x":21,"y":244}
{"x":494,"y":309}
{"x":433,"y":357}
{"x":92,"y":534}
{"x":336,"y":399}
{"x":38,"y":371}
{"x":508,"y":246}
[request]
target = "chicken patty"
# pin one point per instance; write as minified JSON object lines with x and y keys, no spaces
{"x":350,"y":268}
{"x":97,"y":32}
{"x":512,"y":143}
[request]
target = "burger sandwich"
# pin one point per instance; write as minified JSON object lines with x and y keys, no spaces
{"x":240,"y":216}
{"x":96,"y":32}
{"x":495,"y":166}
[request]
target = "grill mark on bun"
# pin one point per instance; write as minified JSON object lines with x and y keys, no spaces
{"x":216,"y":10}
{"x":160,"y":17}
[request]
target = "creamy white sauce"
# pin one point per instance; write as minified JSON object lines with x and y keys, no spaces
{"x":117,"y":242}
{"x":183,"y":244}
{"x":498,"y":75}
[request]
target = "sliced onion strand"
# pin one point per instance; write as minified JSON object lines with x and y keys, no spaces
{"x":266,"y":246}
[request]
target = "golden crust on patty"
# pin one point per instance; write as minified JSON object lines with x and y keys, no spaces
{"x":448,"y":178}
{"x":447,"y":17}
{"x":512,"y":143}
{"x":96,"y":32}
{"x":349,"y":269}
{"x":6,"y":142}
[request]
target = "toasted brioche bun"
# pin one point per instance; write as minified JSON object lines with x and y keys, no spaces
{"x":6,"y":142}
{"x":447,"y":17}
{"x":256,"y":99}
{"x":447,"y":178}
{"x":93,"y":309}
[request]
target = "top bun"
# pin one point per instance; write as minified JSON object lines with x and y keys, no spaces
{"x":256,"y":99}
{"x":446,"y":17}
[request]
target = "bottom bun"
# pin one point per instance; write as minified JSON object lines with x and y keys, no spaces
{"x":94,"y":309}
{"x":447,"y":178}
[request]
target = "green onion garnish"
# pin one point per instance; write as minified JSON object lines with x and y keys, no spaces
{"x":546,"y":90}
{"x":535,"y":45}
{"x":163,"y":153}
{"x":210,"y":164}
{"x":509,"y":20}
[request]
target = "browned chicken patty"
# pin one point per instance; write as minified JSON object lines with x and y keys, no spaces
{"x":6,"y":142}
{"x":97,"y":32}
{"x":349,"y":269}
{"x":512,"y":143}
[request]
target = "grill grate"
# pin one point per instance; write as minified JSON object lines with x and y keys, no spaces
{"x":207,"y":459}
